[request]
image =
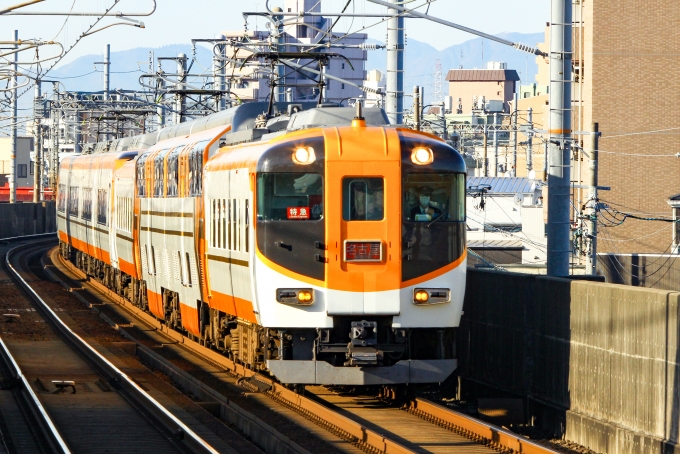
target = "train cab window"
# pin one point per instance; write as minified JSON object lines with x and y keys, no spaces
{"x":434,"y":196}
{"x":87,"y":204}
{"x":159,"y":174}
{"x":196,"y":168}
{"x":173,"y":167}
{"x":102,"y":206}
{"x":289,"y":196}
{"x":73,"y":201}
{"x":141,"y":175}
{"x":363,"y":199}
{"x":61,"y":201}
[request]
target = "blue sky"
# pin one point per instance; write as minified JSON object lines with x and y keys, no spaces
{"x":177,"y":21}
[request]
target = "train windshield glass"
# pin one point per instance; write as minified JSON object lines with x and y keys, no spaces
{"x":289,"y":197}
{"x":431,"y":196}
{"x":363,"y":199}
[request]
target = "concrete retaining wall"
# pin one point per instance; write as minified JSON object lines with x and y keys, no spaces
{"x":18,"y":219}
{"x":598,"y":363}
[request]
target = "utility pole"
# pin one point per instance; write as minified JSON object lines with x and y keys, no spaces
{"x":445,"y":132}
{"x":178,"y":116}
{"x":107,"y":72}
{"x":545,"y":160}
{"x":530,"y":140}
{"x":219,"y":67}
{"x":13,"y":128}
{"x":514,"y":134}
{"x":416,"y":107}
{"x":486,"y":155}
{"x":559,"y":171}
{"x":37,"y":141}
{"x":591,"y":267}
{"x":394,"y":87}
{"x":280,"y":91}
{"x":495,"y":144}
{"x":54,"y":155}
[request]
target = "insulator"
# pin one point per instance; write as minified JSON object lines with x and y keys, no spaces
{"x":369,"y":46}
{"x":525,"y":48}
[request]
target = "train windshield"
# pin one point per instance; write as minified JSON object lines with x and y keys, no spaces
{"x":289,"y":196}
{"x":434,"y":196}
{"x":363,"y":199}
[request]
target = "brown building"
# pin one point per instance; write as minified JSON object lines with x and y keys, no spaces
{"x":627,"y":79}
{"x":469,"y":85}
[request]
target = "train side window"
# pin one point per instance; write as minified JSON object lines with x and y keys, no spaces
{"x":152,"y":261}
{"x":87,"y":204}
{"x":363,"y":199}
{"x":433,"y":196}
{"x":247,"y":221}
{"x":102,"y":206}
{"x":141,"y":175}
{"x":73,"y":201}
{"x":196,"y":168}
{"x":61,"y":202}
{"x":173,"y":171}
{"x":289,"y":196}
{"x":159,"y":174}
{"x":188,"y":268}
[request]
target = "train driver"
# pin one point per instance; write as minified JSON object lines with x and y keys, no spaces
{"x":424,"y":211}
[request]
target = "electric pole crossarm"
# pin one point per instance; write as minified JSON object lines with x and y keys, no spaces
{"x":518,"y":46}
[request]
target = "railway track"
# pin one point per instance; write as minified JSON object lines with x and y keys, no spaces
{"x":366,"y":425}
{"x":81,"y":400}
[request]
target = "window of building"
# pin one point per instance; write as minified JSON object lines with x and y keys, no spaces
{"x":21,"y":171}
{"x":73,"y":201}
{"x":343,"y":66}
{"x":87,"y":204}
{"x":32,"y":168}
{"x":102,"y":206}
{"x":342,"y":86}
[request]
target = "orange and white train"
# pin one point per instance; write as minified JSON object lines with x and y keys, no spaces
{"x":322,"y":245}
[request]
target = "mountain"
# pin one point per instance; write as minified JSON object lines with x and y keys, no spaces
{"x":419,"y":62}
{"x":420,"y":59}
{"x":126,"y":67}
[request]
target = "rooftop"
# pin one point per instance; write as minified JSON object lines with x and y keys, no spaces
{"x":481,"y":75}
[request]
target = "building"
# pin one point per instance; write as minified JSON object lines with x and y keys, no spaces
{"x":24,"y":169}
{"x":626,"y":78}
{"x":470,"y":88}
{"x":252,"y":83}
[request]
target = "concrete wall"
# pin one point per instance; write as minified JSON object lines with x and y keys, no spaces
{"x":27,"y":219}
{"x":598,"y":364}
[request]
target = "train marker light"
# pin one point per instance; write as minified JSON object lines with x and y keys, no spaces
{"x":295,"y":296}
{"x":304,"y":155}
{"x":422,"y":156}
{"x":421,"y":297}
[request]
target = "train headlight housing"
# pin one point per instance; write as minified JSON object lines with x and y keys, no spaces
{"x":295,"y":296}
{"x":422,"y":156}
{"x":431,"y":295}
{"x":304,"y":155}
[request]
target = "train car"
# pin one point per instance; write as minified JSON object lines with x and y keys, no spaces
{"x":320,"y":244}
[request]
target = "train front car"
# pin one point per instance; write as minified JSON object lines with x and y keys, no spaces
{"x":359,"y":267}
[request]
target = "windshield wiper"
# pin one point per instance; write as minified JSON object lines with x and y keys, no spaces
{"x":437,"y":218}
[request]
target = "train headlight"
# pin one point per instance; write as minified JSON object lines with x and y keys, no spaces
{"x":431,"y":295}
{"x":295,"y":296}
{"x":422,"y":156}
{"x":304,"y":155}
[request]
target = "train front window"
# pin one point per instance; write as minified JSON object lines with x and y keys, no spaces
{"x":289,"y":196}
{"x":434,"y":196}
{"x":363,"y":199}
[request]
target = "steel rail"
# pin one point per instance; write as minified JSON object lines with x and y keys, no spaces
{"x":480,"y":431}
{"x":342,"y":426}
{"x":115,"y":375}
{"x":369,"y":440}
{"x":31,"y":401}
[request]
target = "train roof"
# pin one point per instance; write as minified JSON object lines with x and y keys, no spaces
{"x":245,"y":125}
